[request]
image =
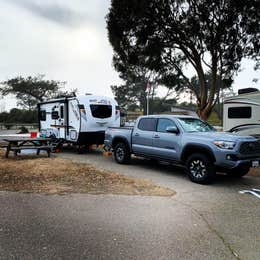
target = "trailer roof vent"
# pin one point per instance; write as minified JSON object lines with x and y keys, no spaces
{"x":247,"y":90}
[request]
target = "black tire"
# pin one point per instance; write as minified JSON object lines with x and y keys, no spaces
{"x":200,"y":168}
{"x":122,"y":153}
{"x":238,"y":172}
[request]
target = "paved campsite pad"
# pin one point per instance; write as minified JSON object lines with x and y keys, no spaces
{"x":200,"y":222}
{"x":55,"y":175}
{"x":233,"y":217}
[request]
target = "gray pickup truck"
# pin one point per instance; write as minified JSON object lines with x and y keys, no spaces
{"x":187,"y":141}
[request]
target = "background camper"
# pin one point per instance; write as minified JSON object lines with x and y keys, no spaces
{"x":81,"y":120}
{"x":241,"y":113}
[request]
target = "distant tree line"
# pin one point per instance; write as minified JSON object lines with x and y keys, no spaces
{"x":16,"y":116}
{"x":31,"y":90}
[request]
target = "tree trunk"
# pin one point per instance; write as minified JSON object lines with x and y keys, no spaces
{"x":143,"y":102}
{"x":204,"y":113}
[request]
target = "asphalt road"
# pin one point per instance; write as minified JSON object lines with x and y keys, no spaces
{"x":200,"y":222}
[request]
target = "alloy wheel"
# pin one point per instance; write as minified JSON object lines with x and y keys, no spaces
{"x":198,"y":169}
{"x":120,"y":153}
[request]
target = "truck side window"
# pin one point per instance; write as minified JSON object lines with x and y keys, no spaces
{"x":163,"y":123}
{"x":147,"y":124}
{"x":43,"y":115}
{"x":239,"y":112}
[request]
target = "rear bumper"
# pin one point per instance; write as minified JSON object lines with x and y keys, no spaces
{"x":87,"y":138}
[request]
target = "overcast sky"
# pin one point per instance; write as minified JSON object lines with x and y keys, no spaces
{"x":66,"y":41}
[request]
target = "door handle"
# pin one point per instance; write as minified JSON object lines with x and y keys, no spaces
{"x":136,"y":134}
{"x":156,"y":136}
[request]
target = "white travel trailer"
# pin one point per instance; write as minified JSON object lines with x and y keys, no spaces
{"x":242,"y":113}
{"x":81,"y":120}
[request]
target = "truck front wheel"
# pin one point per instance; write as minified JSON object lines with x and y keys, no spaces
{"x":122,"y":153}
{"x":200,"y":168}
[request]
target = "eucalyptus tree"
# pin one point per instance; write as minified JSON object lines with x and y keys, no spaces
{"x":166,"y":36}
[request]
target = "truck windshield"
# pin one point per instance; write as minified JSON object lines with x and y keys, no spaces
{"x":101,"y":111}
{"x":195,"y":125}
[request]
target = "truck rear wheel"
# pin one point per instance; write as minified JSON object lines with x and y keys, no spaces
{"x":122,"y":153}
{"x":200,"y":168}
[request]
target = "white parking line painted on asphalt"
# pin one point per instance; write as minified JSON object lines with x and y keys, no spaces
{"x":254,"y":192}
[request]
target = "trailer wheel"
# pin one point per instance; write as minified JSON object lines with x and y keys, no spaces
{"x":122,"y":153}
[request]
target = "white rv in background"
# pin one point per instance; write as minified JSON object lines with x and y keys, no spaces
{"x":81,"y":120}
{"x":241,"y":113}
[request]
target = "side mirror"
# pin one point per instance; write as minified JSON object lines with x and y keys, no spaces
{"x":172,"y":129}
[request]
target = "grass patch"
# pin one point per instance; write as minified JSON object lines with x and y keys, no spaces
{"x":61,"y":176}
{"x":214,"y":119}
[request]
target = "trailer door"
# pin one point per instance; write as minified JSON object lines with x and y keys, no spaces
{"x":58,"y":119}
{"x":62,"y":121}
{"x":73,"y":121}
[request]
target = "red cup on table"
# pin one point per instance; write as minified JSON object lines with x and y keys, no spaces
{"x":33,"y":134}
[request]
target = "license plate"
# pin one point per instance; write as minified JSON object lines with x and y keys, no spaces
{"x":255,"y":164}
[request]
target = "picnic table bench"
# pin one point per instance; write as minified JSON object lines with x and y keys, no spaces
{"x":23,"y":143}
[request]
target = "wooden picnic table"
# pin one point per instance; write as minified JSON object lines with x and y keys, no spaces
{"x":16,"y":144}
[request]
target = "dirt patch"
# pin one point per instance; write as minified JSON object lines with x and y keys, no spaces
{"x":55,"y":175}
{"x":255,"y":172}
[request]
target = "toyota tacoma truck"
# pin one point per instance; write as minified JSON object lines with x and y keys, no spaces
{"x":187,"y":141}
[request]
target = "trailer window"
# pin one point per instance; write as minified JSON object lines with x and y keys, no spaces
{"x":62,"y":112}
{"x":43,"y":115}
{"x":55,"y":115}
{"x":101,"y":111}
{"x":82,"y":108}
{"x":239,"y":112}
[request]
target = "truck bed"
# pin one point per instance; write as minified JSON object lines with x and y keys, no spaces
{"x":124,"y":133}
